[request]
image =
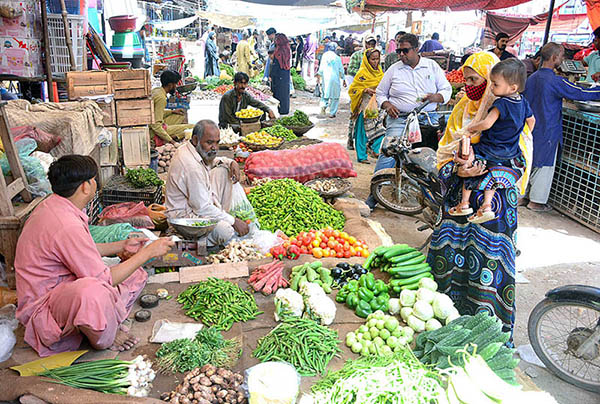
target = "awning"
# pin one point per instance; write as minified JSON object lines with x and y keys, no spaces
{"x":228,"y":21}
{"x":298,"y":3}
{"x":439,"y":5}
{"x":174,"y":24}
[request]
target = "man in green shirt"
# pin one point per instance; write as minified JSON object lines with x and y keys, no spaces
{"x":236,"y":100}
{"x":392,"y":57}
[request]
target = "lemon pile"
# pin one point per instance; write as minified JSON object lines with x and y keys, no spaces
{"x":249,"y":113}
{"x":262,"y":138}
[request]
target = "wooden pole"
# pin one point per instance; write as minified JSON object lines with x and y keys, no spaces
{"x":47,"y":52}
{"x":68,"y":35}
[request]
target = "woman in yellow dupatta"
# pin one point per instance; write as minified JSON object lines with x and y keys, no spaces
{"x":475,"y":263}
{"x":361,"y":90}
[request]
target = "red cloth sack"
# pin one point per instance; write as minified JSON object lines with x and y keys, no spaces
{"x":45,"y":141}
{"x":135,"y":213}
{"x":321,"y":160}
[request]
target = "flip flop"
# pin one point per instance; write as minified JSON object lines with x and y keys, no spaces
{"x":364,"y":161}
{"x":457,"y":211}
{"x":483,"y":215}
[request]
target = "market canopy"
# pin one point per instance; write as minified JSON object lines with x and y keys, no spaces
{"x":439,"y":5}
{"x":298,"y":3}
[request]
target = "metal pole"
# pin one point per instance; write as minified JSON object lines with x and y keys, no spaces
{"x":48,"y":63}
{"x":548,"y":23}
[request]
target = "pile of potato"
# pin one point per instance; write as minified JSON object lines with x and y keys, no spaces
{"x":208,"y":385}
{"x":165,"y":154}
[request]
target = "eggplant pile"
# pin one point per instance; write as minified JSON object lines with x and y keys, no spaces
{"x":344,"y":272}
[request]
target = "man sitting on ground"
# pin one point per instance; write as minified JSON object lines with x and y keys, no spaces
{"x":237,"y":99}
{"x":200,"y":184}
{"x":168,"y":124}
{"x":64,"y":289}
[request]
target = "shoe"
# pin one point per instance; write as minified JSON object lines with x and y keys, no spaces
{"x":350,"y":145}
{"x":332,"y":116}
{"x":371,"y":202}
{"x":484,"y":214}
{"x":364,"y":161}
{"x":522,"y":202}
{"x":539,"y":207}
{"x":458,"y":211}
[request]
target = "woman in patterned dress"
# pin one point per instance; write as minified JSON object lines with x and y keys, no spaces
{"x":475,"y":263}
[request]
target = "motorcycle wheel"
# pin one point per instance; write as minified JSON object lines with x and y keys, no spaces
{"x":382,"y":189}
{"x":556,"y":329}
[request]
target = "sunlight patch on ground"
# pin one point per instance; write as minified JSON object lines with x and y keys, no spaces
{"x":544,"y":247}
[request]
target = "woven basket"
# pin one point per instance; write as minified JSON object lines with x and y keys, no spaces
{"x":260,"y":147}
{"x":298,"y":130}
{"x":342,"y":186}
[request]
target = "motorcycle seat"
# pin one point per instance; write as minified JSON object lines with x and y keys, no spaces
{"x":425,"y":158}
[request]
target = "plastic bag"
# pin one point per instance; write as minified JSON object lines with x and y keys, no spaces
{"x":45,"y":141}
{"x":317,"y":92}
{"x":372,"y":109}
{"x":37,"y":180}
{"x":414,"y":130}
{"x":112,"y":233}
{"x":8,"y":324}
{"x":127,"y":212}
{"x":272,"y":383}
{"x":321,"y":160}
{"x":240,"y":205}
{"x":264,"y":240}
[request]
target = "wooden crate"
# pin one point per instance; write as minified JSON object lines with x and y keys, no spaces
{"x":110,"y":113}
{"x":247,"y":128}
{"x":135,"y":112}
{"x":88,"y":83}
{"x":109,"y":156}
{"x":131,"y":83}
{"x":135,"y":143}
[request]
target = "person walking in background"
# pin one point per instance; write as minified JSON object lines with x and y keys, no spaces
{"x":393,"y":57}
{"x":500,"y":49}
{"x":432,"y":45}
{"x":244,"y":55}
{"x":280,"y":70}
{"x":211,"y":57}
{"x":349,"y":45}
{"x":308,"y":62}
{"x":532,"y":63}
{"x":331,"y":72}
{"x":299,"y":52}
{"x":545,"y":92}
{"x":361,"y":91}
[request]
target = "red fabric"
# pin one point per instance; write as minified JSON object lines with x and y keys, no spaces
{"x":593,"y":12}
{"x":441,"y":5}
{"x":283,"y":53}
{"x":583,"y":53}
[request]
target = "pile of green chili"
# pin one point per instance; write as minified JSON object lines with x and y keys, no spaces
{"x":302,"y":342}
{"x":291,"y":207}
{"x":218,"y":303}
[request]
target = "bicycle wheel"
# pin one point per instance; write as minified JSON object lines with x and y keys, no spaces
{"x":408,"y":202}
{"x":556,"y":330}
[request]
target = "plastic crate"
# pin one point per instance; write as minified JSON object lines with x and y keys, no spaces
{"x":59,"y":53}
{"x":118,"y":190}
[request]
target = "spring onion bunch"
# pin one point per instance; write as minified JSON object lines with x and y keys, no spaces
{"x":107,"y":376}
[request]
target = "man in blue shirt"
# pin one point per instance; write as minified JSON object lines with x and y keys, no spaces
{"x":545,"y":92}
{"x":432,"y":45}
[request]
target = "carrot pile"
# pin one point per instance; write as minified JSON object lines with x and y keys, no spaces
{"x":268,"y":278}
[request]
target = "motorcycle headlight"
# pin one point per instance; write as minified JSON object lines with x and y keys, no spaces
{"x":389,"y":145}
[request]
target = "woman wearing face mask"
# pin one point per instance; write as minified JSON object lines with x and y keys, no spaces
{"x":475,"y":263}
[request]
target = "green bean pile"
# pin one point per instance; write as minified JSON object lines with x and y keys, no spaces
{"x":301,"y":342}
{"x":291,"y":207}
{"x":218,"y":303}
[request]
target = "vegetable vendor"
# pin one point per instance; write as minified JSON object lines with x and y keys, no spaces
{"x":237,"y":99}
{"x":64,"y":289}
{"x":200,"y":184}
{"x":168,"y":124}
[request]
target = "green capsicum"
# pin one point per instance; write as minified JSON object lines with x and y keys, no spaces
{"x":352,"y":300}
{"x":363,"y":309}
{"x":367,"y":281}
{"x":342,"y":295}
{"x":353,"y":285}
{"x":365,"y":294}
{"x":380,"y":287}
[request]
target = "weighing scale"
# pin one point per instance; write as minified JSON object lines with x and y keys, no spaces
{"x":573,"y":69}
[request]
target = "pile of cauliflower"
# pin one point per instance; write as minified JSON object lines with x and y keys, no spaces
{"x":425,"y":308}
{"x":312,"y":302}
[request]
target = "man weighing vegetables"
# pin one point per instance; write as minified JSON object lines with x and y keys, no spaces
{"x":64,"y":289}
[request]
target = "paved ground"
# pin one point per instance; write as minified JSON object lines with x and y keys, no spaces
{"x":555,"y":249}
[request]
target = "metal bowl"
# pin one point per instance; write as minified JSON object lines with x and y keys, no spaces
{"x":187,"y":88}
{"x":588,"y":106}
{"x":186,"y":228}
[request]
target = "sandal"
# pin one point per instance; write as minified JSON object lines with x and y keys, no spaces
{"x":484,"y":214}
{"x":364,"y":161}
{"x":458,"y":211}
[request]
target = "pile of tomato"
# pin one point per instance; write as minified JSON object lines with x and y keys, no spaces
{"x":455,"y":76}
{"x":222,"y":89}
{"x":328,"y":243}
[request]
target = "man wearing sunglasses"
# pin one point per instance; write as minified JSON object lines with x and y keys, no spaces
{"x":405,"y":86}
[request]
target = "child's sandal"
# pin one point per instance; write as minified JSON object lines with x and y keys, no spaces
{"x":484,"y":214}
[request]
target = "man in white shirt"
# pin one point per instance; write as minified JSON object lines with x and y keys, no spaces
{"x":200,"y":184}
{"x":406,"y":85}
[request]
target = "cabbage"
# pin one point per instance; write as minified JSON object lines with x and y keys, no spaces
{"x":405,"y":312}
{"x":425,"y":295}
{"x":454,"y":314}
{"x":408,"y":332}
{"x":432,"y":324}
{"x":442,"y":306}
{"x":394,"y":306}
{"x":428,"y":283}
{"x":423,"y":310}
{"x":416,"y":324}
{"x":408,"y":298}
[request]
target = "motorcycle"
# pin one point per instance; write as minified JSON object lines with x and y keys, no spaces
{"x":412,"y":186}
{"x":564,"y":331}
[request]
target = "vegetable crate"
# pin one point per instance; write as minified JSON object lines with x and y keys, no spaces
{"x":88,"y":84}
{"x":118,"y":190}
{"x":109,"y":155}
{"x":135,"y":143}
{"x":110,"y":113}
{"x":135,"y":112}
{"x":131,"y":83}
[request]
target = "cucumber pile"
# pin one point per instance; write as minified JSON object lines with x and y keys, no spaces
{"x":405,"y":264}
{"x":440,"y":347}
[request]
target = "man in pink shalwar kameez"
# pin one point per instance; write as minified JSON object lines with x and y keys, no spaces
{"x":64,"y":289}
